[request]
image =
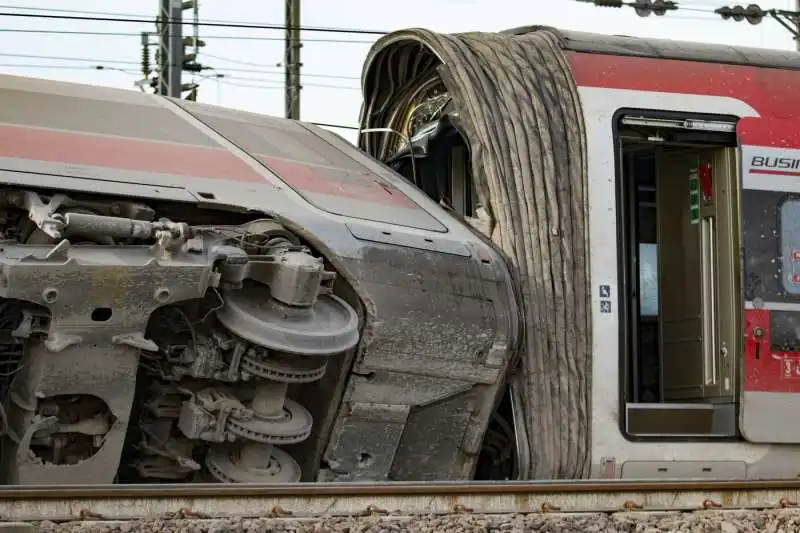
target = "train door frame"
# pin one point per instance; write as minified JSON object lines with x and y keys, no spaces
{"x":720,"y":131}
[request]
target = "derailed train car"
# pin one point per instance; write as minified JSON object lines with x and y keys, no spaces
{"x":588,"y":270}
{"x":196,"y":294}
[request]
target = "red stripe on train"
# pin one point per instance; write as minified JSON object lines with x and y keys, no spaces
{"x":333,"y":181}
{"x":74,"y":148}
{"x":773,"y":172}
{"x":771,"y":92}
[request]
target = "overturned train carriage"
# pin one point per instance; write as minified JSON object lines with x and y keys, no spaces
{"x":194,"y":294}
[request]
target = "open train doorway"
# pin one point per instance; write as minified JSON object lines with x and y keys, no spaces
{"x":679,"y":271}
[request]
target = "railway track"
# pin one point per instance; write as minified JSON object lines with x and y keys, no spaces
{"x":305,"y":501}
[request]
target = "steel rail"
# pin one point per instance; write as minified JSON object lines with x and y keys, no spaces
{"x":12,"y":492}
{"x":148,"y":502}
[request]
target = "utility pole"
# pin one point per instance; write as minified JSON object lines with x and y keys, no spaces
{"x":170,"y":47}
{"x":291,"y":59}
{"x":172,"y":58}
{"x":796,"y":40}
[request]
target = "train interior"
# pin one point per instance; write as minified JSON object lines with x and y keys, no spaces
{"x":679,"y":302}
{"x":440,"y":166}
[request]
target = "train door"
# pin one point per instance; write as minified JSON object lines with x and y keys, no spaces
{"x":679,"y":233}
{"x":696,"y":278}
{"x":770,"y":219}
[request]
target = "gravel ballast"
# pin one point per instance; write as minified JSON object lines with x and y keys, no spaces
{"x":769,"y":521}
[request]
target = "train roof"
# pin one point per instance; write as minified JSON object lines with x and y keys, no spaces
{"x":624,"y":45}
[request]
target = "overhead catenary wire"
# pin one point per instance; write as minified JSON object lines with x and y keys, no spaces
{"x":752,"y":13}
{"x":132,"y":63}
{"x":207,"y":36}
{"x":265,"y":65}
{"x":143,"y":20}
{"x":658,"y":7}
{"x":74,"y":14}
{"x":256,"y":86}
{"x":101,"y":13}
{"x":64,"y":67}
{"x":106,"y":16}
{"x":682,"y":5}
{"x":68,"y":58}
{"x":224,"y":79}
{"x":225,"y":82}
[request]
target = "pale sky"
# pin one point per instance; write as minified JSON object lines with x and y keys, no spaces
{"x":331,"y":70}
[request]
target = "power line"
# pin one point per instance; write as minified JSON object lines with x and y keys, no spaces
{"x":224,"y":69}
{"x":100,"y":13}
{"x":67,"y":58}
{"x":321,"y":124}
{"x":128,"y":62}
{"x":266,"y":72}
{"x":225,"y":79}
{"x":222,"y":75}
{"x":222,"y":37}
{"x":275,"y":65}
{"x":643,"y":8}
{"x":238,"y":79}
{"x":316,"y":85}
{"x":239,"y":62}
{"x":65,"y":67}
{"x":249,"y":26}
{"x":209,"y":23}
{"x":247,"y":85}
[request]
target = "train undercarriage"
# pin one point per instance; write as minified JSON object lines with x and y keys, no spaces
{"x":173,"y":346}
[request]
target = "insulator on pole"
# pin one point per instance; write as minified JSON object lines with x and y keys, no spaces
{"x":644,"y":8}
{"x":752,"y":13}
{"x":145,"y":54}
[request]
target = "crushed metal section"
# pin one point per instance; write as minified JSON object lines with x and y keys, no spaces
{"x":512,"y":98}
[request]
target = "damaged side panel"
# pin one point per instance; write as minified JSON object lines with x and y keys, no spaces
{"x":425,"y":377}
